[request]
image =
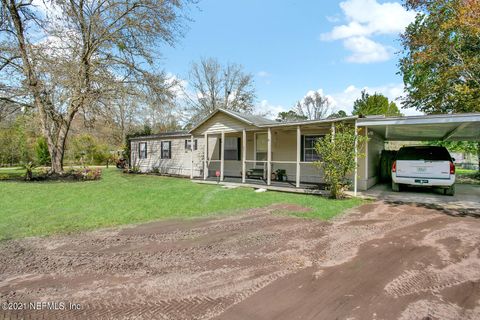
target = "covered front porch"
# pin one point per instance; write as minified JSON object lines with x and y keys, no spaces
{"x":278,"y":156}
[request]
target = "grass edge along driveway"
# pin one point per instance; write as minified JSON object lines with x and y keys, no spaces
{"x":45,"y":208}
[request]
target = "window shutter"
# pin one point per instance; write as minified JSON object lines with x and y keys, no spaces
{"x":195,"y":144}
{"x":169,"y":149}
{"x":302,"y":148}
{"x":239,"y":148}
{"x":220,"y":149}
{"x":139,"y":153}
{"x":186,"y":144}
{"x":161,"y":150}
{"x":146,"y":150}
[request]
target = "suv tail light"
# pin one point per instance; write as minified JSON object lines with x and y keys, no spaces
{"x":394,"y":167}
{"x":452,"y":168}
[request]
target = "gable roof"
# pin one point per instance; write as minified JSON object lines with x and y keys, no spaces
{"x":250,"y":119}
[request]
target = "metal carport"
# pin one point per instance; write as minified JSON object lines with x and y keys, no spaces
{"x":446,"y":127}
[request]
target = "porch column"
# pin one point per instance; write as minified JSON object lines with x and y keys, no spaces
{"x":299,"y":137}
{"x":269,"y":157}
{"x":222,"y":155}
{"x":191,"y":154}
{"x":244,"y":154}
{"x":333,"y":130}
{"x":205,"y":157}
{"x":355,"y":178}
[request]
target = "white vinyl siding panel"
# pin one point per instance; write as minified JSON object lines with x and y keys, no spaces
{"x":178,"y":164}
{"x":222,"y":122}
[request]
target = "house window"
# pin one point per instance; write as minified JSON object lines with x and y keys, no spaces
{"x":188,"y":144}
{"x":142,"y":150}
{"x":166,"y":147}
{"x":232,"y":150}
{"x":309,"y":152}
{"x":261,"y":146}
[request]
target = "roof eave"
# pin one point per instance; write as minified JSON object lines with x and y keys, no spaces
{"x":307,"y":122}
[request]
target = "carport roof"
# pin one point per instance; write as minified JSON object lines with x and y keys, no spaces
{"x":458,"y":127}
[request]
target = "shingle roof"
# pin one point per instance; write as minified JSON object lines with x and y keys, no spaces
{"x":171,"y":134}
{"x":253,"y":119}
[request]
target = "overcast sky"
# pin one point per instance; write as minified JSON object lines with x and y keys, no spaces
{"x":293,"y":47}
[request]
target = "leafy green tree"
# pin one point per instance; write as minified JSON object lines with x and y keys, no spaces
{"x":289,"y":116}
{"x":457,"y":146}
{"x":376,"y":104}
{"x":86,"y":149}
{"x":16,"y":141}
{"x":337,"y":152}
{"x":41,"y":150}
{"x":338,"y":114}
{"x":441,"y":61}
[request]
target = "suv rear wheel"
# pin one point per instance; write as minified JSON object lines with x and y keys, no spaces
{"x":449,"y":191}
{"x":395,"y":187}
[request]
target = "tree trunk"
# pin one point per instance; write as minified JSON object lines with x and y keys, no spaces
{"x":56,"y":148}
{"x":57,"y":161}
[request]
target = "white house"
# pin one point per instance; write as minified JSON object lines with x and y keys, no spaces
{"x":234,"y":147}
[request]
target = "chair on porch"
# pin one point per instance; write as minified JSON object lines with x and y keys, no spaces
{"x":258,"y":171}
{"x":255,"y":173}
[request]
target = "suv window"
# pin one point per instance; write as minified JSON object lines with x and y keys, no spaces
{"x":423,"y":153}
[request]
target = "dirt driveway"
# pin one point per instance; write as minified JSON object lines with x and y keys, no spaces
{"x":379,"y":261}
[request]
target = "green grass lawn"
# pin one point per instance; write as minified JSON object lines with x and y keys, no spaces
{"x":44,"y":208}
{"x":467,"y":176}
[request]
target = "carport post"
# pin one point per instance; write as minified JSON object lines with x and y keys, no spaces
{"x":222,"y":155}
{"x":191,"y":154}
{"x":205,"y":157}
{"x":366,"y":155}
{"x":244,"y":154}
{"x":269,"y":157}
{"x":299,"y":137}
{"x":355,"y":178}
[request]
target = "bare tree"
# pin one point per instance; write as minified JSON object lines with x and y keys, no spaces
{"x":129,"y":110}
{"x":8,"y":110}
{"x":216,"y":86}
{"x":74,"y":55}
{"x":314,"y":106}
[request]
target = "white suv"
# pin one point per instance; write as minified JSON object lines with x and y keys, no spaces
{"x":424,"y":166}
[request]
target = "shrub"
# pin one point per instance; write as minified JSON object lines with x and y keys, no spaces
{"x":86,"y":174}
{"x":92,"y":174}
{"x":29,"y":170}
{"x":41,"y":150}
{"x":135,"y":169}
{"x":338,"y":158}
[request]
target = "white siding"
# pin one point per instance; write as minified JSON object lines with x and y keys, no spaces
{"x":222,"y":122}
{"x":180,"y":162}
